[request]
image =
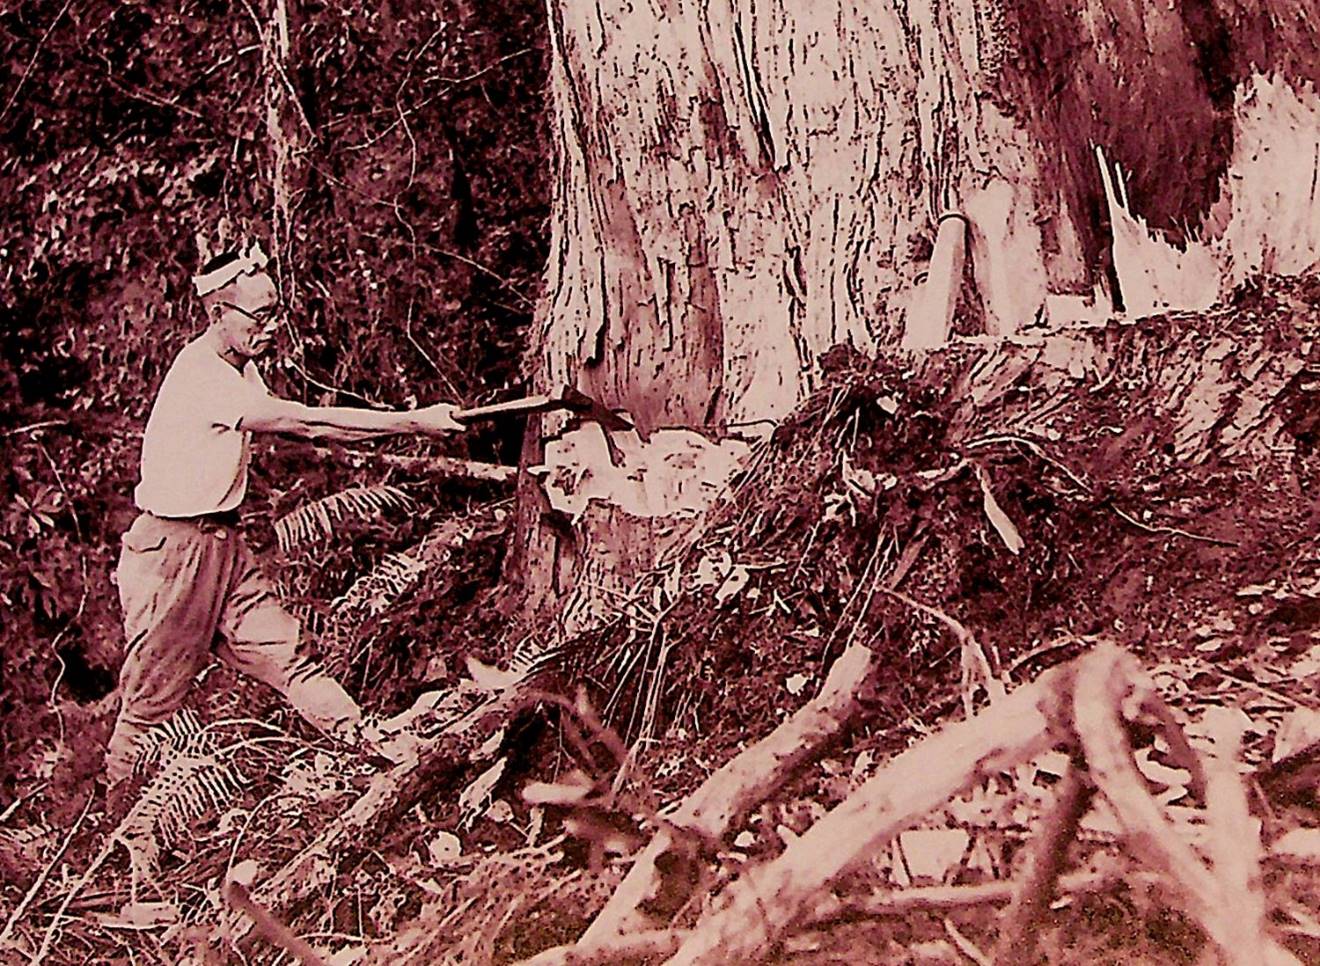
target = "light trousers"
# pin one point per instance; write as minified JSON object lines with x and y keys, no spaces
{"x":191,"y":589}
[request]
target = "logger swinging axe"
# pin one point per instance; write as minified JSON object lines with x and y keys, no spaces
{"x":566,"y":399}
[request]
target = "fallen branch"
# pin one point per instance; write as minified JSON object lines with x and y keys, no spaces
{"x":443,"y":465}
{"x":975,"y":666}
{"x":1045,"y":861}
{"x":947,"y":898}
{"x":40,"y":881}
{"x":270,"y":928}
{"x":1081,"y":705}
{"x":1103,"y":685}
{"x":764,"y":905}
{"x":650,"y":944}
{"x":1049,"y":647}
{"x":1234,"y":840}
{"x":965,"y":945}
{"x":1260,"y":689}
{"x":1173,"y":531}
{"x":387,"y":798}
{"x":661,"y":880}
{"x":830,"y":913}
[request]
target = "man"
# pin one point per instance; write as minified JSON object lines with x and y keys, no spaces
{"x":188,"y":582}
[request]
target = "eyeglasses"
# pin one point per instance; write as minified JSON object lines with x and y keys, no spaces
{"x":267,"y":315}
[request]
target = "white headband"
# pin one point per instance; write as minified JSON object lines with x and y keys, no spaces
{"x":253,"y":260}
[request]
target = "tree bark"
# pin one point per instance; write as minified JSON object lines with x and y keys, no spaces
{"x":744,"y":184}
{"x":282,"y":130}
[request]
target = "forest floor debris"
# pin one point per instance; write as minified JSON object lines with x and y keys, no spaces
{"x":960,"y":534}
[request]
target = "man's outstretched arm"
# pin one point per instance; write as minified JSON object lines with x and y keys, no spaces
{"x":269,"y":414}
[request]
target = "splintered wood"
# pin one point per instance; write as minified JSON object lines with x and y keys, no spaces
{"x":1084,"y":708}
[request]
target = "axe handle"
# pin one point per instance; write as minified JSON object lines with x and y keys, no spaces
{"x":514,"y":407}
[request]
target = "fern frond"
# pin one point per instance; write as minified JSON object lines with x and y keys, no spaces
{"x":192,"y":776}
{"x":175,"y":735}
{"x":316,"y":521}
{"x":376,"y":590}
{"x":395,"y":576}
{"x":532,"y":656}
{"x":182,"y":792}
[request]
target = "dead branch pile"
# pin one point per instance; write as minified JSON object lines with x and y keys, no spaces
{"x":1085,"y":710}
{"x":1118,"y":512}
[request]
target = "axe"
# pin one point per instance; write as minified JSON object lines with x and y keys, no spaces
{"x":566,"y":399}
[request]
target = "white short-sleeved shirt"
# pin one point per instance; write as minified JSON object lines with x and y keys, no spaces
{"x":194,"y":456}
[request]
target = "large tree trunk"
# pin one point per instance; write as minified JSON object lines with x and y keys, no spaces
{"x":743,"y":184}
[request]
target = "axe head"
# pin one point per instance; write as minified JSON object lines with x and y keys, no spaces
{"x":586,"y":407}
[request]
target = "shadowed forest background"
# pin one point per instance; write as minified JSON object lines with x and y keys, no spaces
{"x":136,"y":142}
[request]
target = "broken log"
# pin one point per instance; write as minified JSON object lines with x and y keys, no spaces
{"x":768,"y":902}
{"x":390,"y":795}
{"x":660,"y":881}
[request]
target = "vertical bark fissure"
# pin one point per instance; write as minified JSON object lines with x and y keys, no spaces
{"x":752,"y":181}
{"x":755,"y":97}
{"x":567,"y":116}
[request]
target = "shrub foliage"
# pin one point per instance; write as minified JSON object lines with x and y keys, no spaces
{"x":135,"y":141}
